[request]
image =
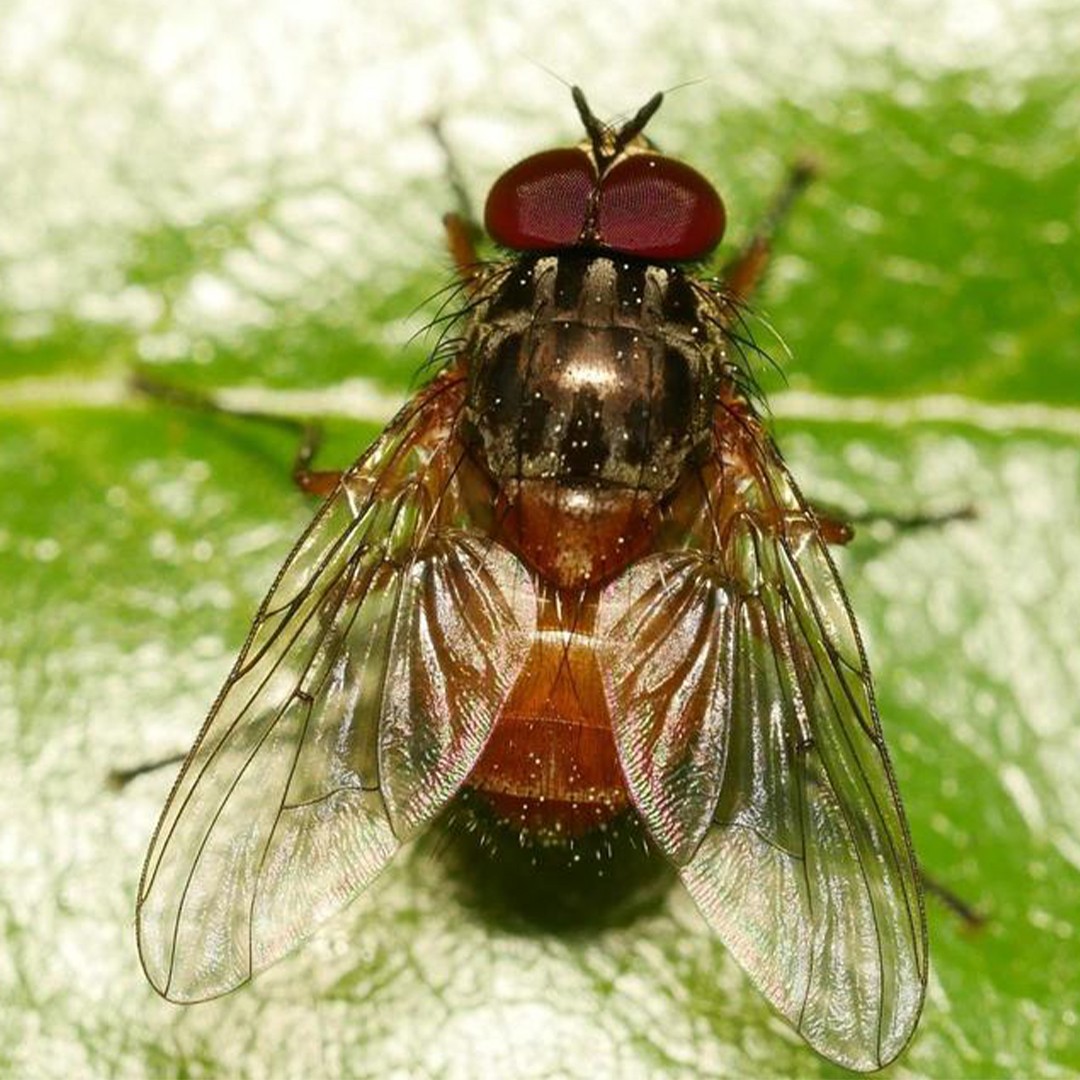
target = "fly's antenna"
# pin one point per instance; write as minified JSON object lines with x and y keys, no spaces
{"x":634,"y":127}
{"x":593,"y":127}
{"x":605,"y":145}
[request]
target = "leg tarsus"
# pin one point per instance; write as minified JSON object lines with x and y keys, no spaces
{"x":199,"y":401}
{"x":455,"y":178}
{"x":120,"y":778}
{"x":923,"y":520}
{"x":972,"y":919}
{"x":142,"y":382}
{"x":967,"y":512}
{"x":310,"y":481}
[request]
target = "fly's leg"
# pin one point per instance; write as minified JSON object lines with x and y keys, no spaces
{"x":311,"y":481}
{"x":460,"y":239}
{"x":317,"y":482}
{"x":741,"y":277}
{"x":838,"y":528}
{"x":972,"y":919}
{"x":463,"y":229}
{"x":909,"y":522}
{"x":834,"y":529}
{"x":120,"y":778}
{"x":744,"y":272}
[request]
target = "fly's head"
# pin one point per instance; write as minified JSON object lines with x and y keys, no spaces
{"x":611,"y":192}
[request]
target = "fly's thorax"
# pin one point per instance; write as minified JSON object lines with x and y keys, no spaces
{"x":587,"y":368}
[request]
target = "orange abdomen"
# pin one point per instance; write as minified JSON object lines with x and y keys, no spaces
{"x":550,"y":766}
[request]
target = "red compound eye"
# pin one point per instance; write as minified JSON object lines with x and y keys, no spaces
{"x":542,"y":201}
{"x":658,"y":208}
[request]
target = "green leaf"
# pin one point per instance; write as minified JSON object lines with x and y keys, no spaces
{"x":247,"y":196}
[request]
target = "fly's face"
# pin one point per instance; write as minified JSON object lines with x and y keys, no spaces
{"x":575,"y":579}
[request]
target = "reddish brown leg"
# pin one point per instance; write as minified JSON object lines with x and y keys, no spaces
{"x":310,"y":481}
{"x":460,"y":239}
{"x":320,"y":482}
{"x":834,"y":530}
{"x":744,"y":273}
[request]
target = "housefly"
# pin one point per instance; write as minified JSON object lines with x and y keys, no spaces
{"x":575,"y":579}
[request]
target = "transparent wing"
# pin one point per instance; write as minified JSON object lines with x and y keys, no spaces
{"x":338,"y":733}
{"x":745,"y":722}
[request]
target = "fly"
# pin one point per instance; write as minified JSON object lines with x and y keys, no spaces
{"x":575,"y":579}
